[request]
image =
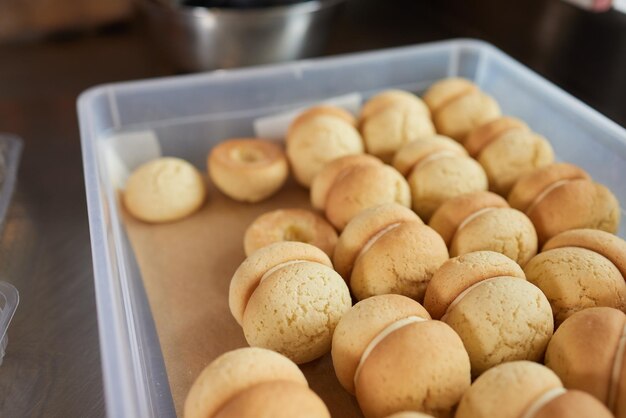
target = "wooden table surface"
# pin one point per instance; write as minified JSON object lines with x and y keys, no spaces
{"x":52,"y":365}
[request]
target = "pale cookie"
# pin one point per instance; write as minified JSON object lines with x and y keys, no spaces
{"x":294,"y":303}
{"x":317,"y":137}
{"x":459,"y":273}
{"x":485,"y":134}
{"x":235,"y":372}
{"x":290,"y":225}
{"x":388,"y":352}
{"x":574,"y":279}
{"x":458,"y":106}
{"x":358,"y":327}
{"x":608,"y":245}
{"x":511,"y":156}
{"x":504,"y":230}
{"x":451,"y":214}
{"x":164,"y":190}
{"x":361,"y":187}
{"x":402,"y":260}
{"x":248,"y":170}
{"x":587,"y":353}
{"x":280,"y":399}
{"x":387,"y":130}
{"x":363,"y":228}
{"x":507,"y":390}
{"x":332,"y":171}
{"x":418,"y":365}
{"x":437,"y":171}
{"x":499,"y":316}
{"x":560,"y":197}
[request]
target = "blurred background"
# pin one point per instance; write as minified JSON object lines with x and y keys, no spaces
{"x":52,"y":50}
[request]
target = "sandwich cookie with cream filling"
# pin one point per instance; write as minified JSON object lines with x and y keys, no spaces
{"x":499,"y":316}
{"x":388,"y":249}
{"x":388,"y":352}
{"x":287,"y":298}
{"x":523,"y":389}
{"x":483,"y":221}
{"x":437,"y":169}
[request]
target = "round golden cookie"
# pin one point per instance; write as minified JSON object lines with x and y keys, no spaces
{"x":358,"y":327}
{"x":504,"y":230}
{"x":459,"y":116}
{"x":574,"y":279}
{"x":483,"y":135}
{"x":453,"y":212}
{"x":333,"y":170}
{"x":409,"y":414}
{"x":530,"y":186}
{"x":387,"y":130}
{"x":446,"y":90}
{"x":414,"y":152}
{"x":417,"y":365}
{"x":386,"y":98}
{"x":250,"y":272}
{"x":402,"y":260}
{"x":587,"y":353}
{"x":501,"y":319}
{"x":459,"y":273}
{"x":507,"y":390}
{"x":314,"y":140}
{"x":365,"y":227}
{"x":290,"y":225}
{"x":511,"y":156}
{"x":608,"y":245}
{"x":364,"y":186}
{"x":573,"y":205}
{"x":570,"y":404}
{"x":248,"y":170}
{"x":438,"y":169}
{"x":295,"y":309}
{"x":442,"y":178}
{"x":234,"y":372}
{"x":164,"y":190}
{"x":279,"y":399}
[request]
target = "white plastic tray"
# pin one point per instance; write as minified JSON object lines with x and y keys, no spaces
{"x":185,"y":116}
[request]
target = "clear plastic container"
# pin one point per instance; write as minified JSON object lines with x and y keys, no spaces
{"x":185,"y":116}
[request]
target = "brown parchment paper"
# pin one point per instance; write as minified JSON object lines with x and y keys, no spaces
{"x":186,"y":268}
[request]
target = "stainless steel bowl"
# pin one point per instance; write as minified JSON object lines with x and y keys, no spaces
{"x":198,"y":38}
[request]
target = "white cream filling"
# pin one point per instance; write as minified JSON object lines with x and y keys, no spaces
{"x":394,"y":326}
{"x":544,"y":193}
{"x":472,"y":217}
{"x":541,"y":401}
{"x":278,"y":267}
{"x":375,"y":238}
{"x":461,"y":295}
{"x":617,"y":368}
{"x":429,"y":159}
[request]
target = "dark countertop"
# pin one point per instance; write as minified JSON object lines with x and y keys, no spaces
{"x":52,"y":365}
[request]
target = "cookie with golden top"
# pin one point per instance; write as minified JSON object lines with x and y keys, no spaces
{"x":562,"y":196}
{"x":248,"y":169}
{"x":389,"y":353}
{"x":287,"y":298}
{"x":388,"y":249}
{"x":499,"y":316}
{"x":437,"y":169}
{"x":319,"y":135}
{"x":483,"y":221}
